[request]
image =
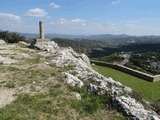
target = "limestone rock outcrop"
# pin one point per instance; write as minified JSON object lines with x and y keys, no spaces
{"x":83,"y":71}
{"x":2,"y":41}
{"x":133,"y":109}
{"x":72,"y":80}
{"x":47,"y":46}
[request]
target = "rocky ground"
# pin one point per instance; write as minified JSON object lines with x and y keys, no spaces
{"x":41,"y":75}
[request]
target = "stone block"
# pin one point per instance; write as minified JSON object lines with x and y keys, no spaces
{"x":39,"y":41}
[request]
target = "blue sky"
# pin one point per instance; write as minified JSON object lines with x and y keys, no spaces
{"x":132,"y":17}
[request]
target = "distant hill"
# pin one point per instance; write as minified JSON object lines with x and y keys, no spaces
{"x":30,"y":35}
{"x":106,"y":36}
{"x":109,"y":38}
{"x":91,"y":37}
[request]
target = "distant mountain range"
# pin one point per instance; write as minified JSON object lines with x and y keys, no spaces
{"x":89,"y":37}
{"x":30,"y":35}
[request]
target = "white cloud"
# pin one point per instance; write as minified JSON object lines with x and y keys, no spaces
{"x":78,"y":20}
{"x":96,"y":24}
{"x":133,"y":21}
{"x":115,"y":2}
{"x":22,"y":26}
{"x":66,"y":26}
{"x":130,"y":25}
{"x":144,"y":27}
{"x":63,"y":21}
{"x":9,"y":17}
{"x":36,"y":12}
{"x":54,"y":5}
{"x":72,"y":23}
{"x":48,"y":17}
{"x":52,"y":23}
{"x":83,"y":24}
{"x":110,"y":24}
{"x":13,"y":22}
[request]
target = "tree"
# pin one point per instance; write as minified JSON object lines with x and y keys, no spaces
{"x":11,"y":37}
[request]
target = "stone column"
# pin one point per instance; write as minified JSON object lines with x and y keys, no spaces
{"x":41,"y":29}
{"x":41,"y":34}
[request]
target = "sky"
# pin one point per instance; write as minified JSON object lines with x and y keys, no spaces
{"x":82,"y":17}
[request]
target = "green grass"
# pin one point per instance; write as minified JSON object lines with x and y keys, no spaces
{"x":90,"y":103}
{"x":67,"y":68}
{"x":149,"y":90}
{"x":35,"y":60}
{"x":54,"y":105}
{"x":10,"y":85}
{"x":27,"y":107}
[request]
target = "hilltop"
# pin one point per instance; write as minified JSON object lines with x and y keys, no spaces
{"x":58,"y":83}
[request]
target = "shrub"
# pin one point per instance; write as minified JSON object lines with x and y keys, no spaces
{"x":11,"y":37}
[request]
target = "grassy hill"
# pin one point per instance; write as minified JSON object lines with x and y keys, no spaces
{"x":32,"y":89}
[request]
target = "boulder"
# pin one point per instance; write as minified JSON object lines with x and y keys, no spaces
{"x":133,"y":109}
{"x":72,"y":80}
{"x":91,"y":88}
{"x":78,"y":96}
{"x":86,"y":59}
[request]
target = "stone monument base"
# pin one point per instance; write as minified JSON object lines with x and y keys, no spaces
{"x":38,"y":41}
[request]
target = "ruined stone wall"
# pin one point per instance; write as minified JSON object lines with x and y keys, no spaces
{"x":130,"y":71}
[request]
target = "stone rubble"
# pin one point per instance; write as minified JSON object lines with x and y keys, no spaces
{"x":83,"y":71}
